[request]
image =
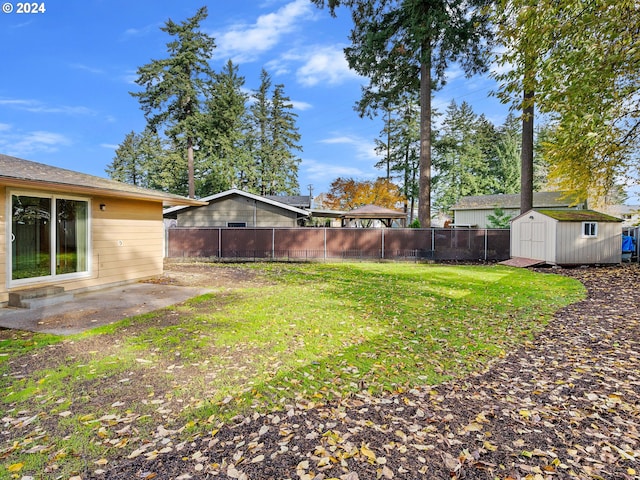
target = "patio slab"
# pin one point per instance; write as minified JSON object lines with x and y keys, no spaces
{"x":98,"y":307}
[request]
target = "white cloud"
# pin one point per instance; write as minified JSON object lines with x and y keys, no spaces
{"x":322,"y":172}
{"x":86,"y":68}
{"x":297,"y":105}
{"x":109,"y":146}
{"x":364,"y":148}
{"x":28,"y":143}
{"x":36,"y":106}
{"x":325,"y":65}
{"x":244,"y":42}
{"x":140,"y":32}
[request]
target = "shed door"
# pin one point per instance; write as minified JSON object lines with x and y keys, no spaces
{"x":532,"y":240}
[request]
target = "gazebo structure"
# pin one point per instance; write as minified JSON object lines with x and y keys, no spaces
{"x":369,"y":216}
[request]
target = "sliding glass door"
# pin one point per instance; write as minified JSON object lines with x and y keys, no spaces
{"x":49,"y":236}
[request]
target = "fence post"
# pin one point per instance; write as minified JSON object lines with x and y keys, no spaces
{"x":433,"y":243}
{"x":219,"y":242}
{"x":273,"y":243}
{"x":486,"y":246}
{"x":383,"y":243}
{"x":325,"y":243}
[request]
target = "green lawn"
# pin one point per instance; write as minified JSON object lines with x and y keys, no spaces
{"x":298,"y":332}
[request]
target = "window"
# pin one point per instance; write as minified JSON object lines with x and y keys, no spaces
{"x":589,"y":229}
{"x":49,"y":236}
{"x":237,"y":224}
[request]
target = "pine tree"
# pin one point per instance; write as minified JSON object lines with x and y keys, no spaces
{"x":406,"y":47}
{"x":224,"y":147}
{"x":401,"y":148}
{"x":175,"y":87}
{"x":274,"y":136}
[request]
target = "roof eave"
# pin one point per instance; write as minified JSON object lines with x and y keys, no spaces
{"x":167,"y":200}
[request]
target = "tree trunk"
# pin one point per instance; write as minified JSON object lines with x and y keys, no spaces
{"x":424,"y":195}
{"x":191,"y":169}
{"x":526,"y":155}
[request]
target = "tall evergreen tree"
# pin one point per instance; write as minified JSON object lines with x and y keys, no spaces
{"x":274,"y":137}
{"x":284,"y":141}
{"x":226,"y":156}
{"x":462,"y":156}
{"x":401,"y":147}
{"x":406,"y":46}
{"x":175,"y":87}
{"x":138,"y":160}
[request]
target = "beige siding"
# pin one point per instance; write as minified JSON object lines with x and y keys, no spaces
{"x":573,"y":248}
{"x":126,"y":244}
{"x":479,"y":218}
{"x":237,"y":209}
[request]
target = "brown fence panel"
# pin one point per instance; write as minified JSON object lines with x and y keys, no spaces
{"x":354,"y":243}
{"x":345,"y":243}
{"x":246,"y":242}
{"x":408,"y":243}
{"x":299,"y":243}
{"x":192,"y":242}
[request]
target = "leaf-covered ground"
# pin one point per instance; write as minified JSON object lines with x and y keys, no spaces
{"x":566,"y":405}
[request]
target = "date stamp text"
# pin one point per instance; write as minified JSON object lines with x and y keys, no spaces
{"x":24,"y":7}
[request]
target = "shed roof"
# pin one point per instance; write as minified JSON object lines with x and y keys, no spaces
{"x":540,"y":200}
{"x":171,"y":212}
{"x":18,"y":172}
{"x":577,"y":215}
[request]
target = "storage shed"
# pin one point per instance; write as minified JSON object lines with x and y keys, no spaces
{"x":567,"y":237}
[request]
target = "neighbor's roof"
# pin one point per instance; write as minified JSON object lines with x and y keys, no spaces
{"x":373,"y":211}
{"x":298,"y":201}
{"x":577,"y":215}
{"x":235,"y":191}
{"x":540,"y":200}
{"x":17,"y":172}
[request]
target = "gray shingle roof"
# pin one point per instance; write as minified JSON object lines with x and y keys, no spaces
{"x":19,"y":172}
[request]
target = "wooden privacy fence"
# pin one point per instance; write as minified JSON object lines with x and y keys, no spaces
{"x":439,"y":244}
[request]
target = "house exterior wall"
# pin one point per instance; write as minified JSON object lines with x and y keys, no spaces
{"x":237,"y":209}
{"x":125,"y":241}
{"x":479,"y":218}
{"x":573,"y":248}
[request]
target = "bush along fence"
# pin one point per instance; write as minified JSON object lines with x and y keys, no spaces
{"x":294,"y":244}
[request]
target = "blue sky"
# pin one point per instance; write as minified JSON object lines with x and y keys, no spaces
{"x":67,"y":74}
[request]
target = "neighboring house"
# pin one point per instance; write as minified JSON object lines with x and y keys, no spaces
{"x":236,"y":208}
{"x":473,"y":212}
{"x":567,"y":237}
{"x":630,"y":214}
{"x":76,"y":231}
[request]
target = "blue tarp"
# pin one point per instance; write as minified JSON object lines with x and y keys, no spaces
{"x":628,"y":243}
